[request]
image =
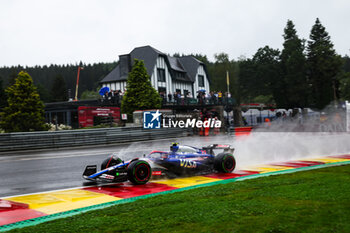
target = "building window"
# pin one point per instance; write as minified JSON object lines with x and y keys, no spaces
{"x":161,"y":75}
{"x":186,"y":92}
{"x":161,"y":89}
{"x":200,"y":80}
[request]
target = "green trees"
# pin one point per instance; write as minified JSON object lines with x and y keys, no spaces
{"x":58,"y":89}
{"x":25,"y":110}
{"x":246,"y":80}
{"x":259,"y":77}
{"x":90,"y":95}
{"x":218,"y":73}
{"x":45,"y":76}
{"x":2,"y":95}
{"x":140,"y":94}
{"x":344,"y":85}
{"x":294,"y":78}
{"x":44,"y":94}
{"x":293,"y":68}
{"x":323,"y":65}
{"x":268,"y":80}
{"x":344,"y":79}
{"x":280,"y":75}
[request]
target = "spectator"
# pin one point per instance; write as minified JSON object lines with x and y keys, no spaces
{"x":203,"y":97}
{"x":162,"y":95}
{"x":110,"y":95}
{"x":117,"y":97}
{"x":199,"y":98}
{"x":170,"y":97}
{"x":175,"y":97}
{"x":182,"y":99}
{"x":216,"y":97}
{"x":105,"y":97}
{"x":244,"y":121}
{"x":113,"y":97}
{"x":284,"y":116}
{"x":208,"y":98}
{"x":211,"y":97}
{"x":220,"y":97}
{"x":121,"y":94}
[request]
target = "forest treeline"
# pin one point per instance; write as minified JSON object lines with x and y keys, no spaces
{"x":54,"y":82}
{"x":305,"y":73}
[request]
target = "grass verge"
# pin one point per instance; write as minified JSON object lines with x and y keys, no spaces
{"x":311,"y":201}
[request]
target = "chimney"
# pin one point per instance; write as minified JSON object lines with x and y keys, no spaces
{"x":125,"y":66}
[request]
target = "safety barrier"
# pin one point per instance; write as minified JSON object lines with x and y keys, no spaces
{"x":70,"y":138}
{"x":242,"y":131}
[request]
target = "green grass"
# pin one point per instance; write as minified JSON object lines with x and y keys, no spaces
{"x":311,"y":201}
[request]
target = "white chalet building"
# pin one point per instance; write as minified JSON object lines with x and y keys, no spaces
{"x":168,"y":74}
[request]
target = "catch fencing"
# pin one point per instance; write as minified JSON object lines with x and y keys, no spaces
{"x":71,"y":138}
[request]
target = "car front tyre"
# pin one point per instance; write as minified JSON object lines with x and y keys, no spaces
{"x":139,"y":172}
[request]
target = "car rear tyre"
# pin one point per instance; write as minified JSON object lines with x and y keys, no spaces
{"x":139,"y":172}
{"x":224,"y":162}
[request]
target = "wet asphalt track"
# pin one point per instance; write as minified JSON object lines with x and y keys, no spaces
{"x":38,"y":171}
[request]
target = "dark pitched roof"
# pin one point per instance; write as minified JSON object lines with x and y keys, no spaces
{"x":113,"y":76}
{"x":191,"y":65}
{"x":188,"y":65}
{"x":149,"y":56}
{"x":175,"y":64}
{"x":146,"y":53}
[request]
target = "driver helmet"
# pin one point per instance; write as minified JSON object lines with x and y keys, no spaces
{"x":174,"y":147}
{"x":116,"y":159}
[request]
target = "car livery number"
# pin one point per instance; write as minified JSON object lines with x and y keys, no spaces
{"x":188,"y":163}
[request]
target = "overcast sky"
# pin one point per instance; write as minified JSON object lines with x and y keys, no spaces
{"x":39,"y":32}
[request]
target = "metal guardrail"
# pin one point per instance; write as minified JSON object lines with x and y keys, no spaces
{"x":71,"y":138}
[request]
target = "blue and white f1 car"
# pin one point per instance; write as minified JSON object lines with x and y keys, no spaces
{"x":181,"y":160}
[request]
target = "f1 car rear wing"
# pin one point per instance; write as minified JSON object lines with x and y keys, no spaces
{"x":226,"y":148}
